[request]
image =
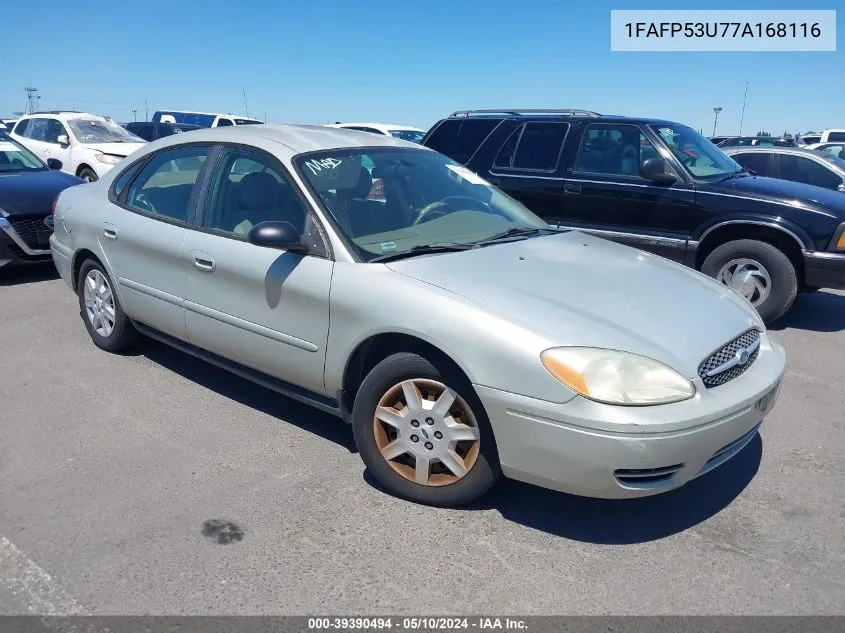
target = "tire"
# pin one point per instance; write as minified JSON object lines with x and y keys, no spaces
{"x":770,"y":267}
{"x":400,"y":474}
{"x":121,"y":335}
{"x":88,"y":175}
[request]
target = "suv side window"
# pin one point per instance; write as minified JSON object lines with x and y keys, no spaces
{"x":37,"y":130}
{"x":613,"y":148}
{"x":808,"y":171}
{"x":365,"y":129}
{"x":54,"y":130}
{"x":762,"y":163}
{"x":460,"y":138}
{"x":224,"y":122}
{"x":164,"y":186}
{"x":534,"y":146}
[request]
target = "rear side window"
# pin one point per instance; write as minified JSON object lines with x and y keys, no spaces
{"x":758,"y":162}
{"x":808,"y":171}
{"x":164,"y":186}
{"x":536,"y":146}
{"x":460,"y":138}
{"x":124,"y":178}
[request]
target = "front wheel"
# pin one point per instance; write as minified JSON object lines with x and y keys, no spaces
{"x":423,"y":433}
{"x":759,"y":271}
{"x":88,"y":175}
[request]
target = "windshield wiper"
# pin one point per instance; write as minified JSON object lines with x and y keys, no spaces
{"x":422,"y":249}
{"x":515,"y":232}
{"x":736,"y":174}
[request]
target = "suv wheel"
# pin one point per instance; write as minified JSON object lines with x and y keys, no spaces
{"x":762,"y":273}
{"x":423,"y":433}
{"x":88,"y":175}
{"x":107,"y":324}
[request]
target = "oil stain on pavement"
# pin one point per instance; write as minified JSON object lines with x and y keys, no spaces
{"x":223,"y":532}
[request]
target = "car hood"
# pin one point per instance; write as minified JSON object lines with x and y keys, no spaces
{"x":576,"y":289}
{"x":32,"y":192}
{"x":118,"y":149}
{"x":796,"y":194}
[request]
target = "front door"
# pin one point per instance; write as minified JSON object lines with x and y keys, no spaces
{"x":605,"y":194}
{"x":261,"y":307}
{"x":54,"y":149}
{"x":144,"y":237}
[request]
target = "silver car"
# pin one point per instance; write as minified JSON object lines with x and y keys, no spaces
{"x":459,"y":334}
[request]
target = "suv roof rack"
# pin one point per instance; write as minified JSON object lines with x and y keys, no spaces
{"x":518,"y":111}
{"x":56,"y":112}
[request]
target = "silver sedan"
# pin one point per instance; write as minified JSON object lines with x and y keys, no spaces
{"x":460,"y":335}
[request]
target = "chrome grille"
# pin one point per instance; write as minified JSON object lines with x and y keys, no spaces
{"x":726,"y":354}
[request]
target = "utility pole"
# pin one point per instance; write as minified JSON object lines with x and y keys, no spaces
{"x":32,"y":99}
{"x":134,"y":114}
{"x":716,"y":111}
{"x":742,"y":118}
{"x":146,"y":112}
{"x":246,"y":107}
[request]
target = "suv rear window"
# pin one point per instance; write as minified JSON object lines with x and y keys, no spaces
{"x":459,"y":138}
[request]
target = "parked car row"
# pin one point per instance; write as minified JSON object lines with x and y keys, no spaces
{"x":461,"y":335}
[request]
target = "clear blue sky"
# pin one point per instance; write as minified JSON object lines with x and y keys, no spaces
{"x":403,"y":61}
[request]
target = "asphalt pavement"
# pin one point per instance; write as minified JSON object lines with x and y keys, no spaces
{"x":153,"y":483}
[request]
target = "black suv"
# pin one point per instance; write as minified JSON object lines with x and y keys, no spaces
{"x":150,"y":131}
{"x":662,"y":187}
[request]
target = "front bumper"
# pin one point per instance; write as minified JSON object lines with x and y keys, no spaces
{"x":14,"y":251}
{"x":824,"y":270}
{"x":597,"y":450}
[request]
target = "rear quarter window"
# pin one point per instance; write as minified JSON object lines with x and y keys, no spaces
{"x":460,"y":138}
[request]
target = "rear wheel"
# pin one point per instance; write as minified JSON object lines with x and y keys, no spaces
{"x":423,"y":433}
{"x":762,"y":273}
{"x":107,"y":324}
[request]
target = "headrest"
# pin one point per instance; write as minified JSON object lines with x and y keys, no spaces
{"x":259,"y":190}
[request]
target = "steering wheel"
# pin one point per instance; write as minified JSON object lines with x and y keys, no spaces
{"x":440,"y":206}
{"x":143,"y":201}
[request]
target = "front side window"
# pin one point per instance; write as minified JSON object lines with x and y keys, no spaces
{"x":534,"y":146}
{"x":164,"y":186}
{"x":423,"y":198}
{"x":55,"y":129}
{"x":761,"y":163}
{"x":808,"y":171}
{"x":698,"y":155}
{"x":614,"y":149}
{"x":249,"y":189}
{"x":15,"y":157}
{"x":101,"y":131}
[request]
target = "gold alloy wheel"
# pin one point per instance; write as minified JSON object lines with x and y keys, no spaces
{"x":426,"y":432}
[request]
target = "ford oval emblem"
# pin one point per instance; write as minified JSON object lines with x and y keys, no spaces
{"x":742,"y":356}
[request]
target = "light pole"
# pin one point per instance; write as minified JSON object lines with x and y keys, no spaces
{"x":742,"y":118}
{"x":134,"y":114}
{"x":716,"y":111}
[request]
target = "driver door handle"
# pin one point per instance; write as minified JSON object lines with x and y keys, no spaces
{"x":204,"y":262}
{"x":109,"y":230}
{"x":572,"y":187}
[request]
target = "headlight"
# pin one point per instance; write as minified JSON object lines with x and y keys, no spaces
{"x":616,"y":377}
{"x":109,"y":159}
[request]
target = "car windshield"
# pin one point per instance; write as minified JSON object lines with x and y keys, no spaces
{"x":389,"y":201}
{"x":15,"y":157}
{"x":698,"y":155}
{"x":415,"y":136}
{"x":101,"y":131}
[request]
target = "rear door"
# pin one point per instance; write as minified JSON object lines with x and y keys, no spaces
{"x":144,"y":234}
{"x":527,"y":166}
{"x":605,"y":194}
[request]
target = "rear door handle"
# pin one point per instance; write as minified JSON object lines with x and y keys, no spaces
{"x":204,"y":262}
{"x":572,"y":188}
{"x":109,"y":230}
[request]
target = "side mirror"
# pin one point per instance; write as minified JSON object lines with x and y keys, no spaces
{"x":62,"y":139}
{"x":281,"y":235}
{"x":656,"y":170}
{"x":54,"y":163}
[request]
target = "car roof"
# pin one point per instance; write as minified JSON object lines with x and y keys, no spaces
{"x":770,"y":148}
{"x":234,"y":116}
{"x":297,"y":139}
{"x":558,"y":115}
{"x":384,"y":126}
{"x":64,"y":115}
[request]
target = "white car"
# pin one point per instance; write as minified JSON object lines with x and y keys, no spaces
{"x":203,"y":119}
{"x":86,"y":144}
{"x":402,"y":132}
